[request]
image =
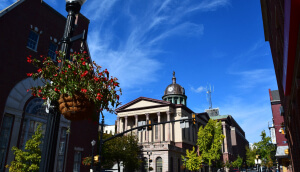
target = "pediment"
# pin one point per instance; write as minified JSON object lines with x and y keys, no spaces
{"x":143,"y":102}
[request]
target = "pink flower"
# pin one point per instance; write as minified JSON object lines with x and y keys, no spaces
{"x":83,"y":63}
{"x":29,"y":74}
{"x":39,"y":70}
{"x":83,"y":90}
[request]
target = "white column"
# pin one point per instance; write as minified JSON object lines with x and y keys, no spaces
{"x":125,"y":123}
{"x":225,"y":139}
{"x":168,"y":126}
{"x":118,"y":125}
{"x":147,"y":132}
{"x":136,"y":124}
{"x":159,"y":127}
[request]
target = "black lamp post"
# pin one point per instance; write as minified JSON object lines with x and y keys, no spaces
{"x":149,"y":154}
{"x":93,"y":144}
{"x":72,"y":7}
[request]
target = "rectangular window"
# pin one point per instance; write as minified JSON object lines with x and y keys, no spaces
{"x":51,"y":51}
{"x":4,"y":138}
{"x":77,"y":161}
{"x":33,"y":40}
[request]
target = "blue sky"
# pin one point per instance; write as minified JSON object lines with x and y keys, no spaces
{"x":217,"y":42}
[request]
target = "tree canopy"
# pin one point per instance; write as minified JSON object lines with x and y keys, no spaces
{"x":210,"y":141}
{"x":28,"y":160}
{"x":192,"y":161}
{"x":265,"y":149}
{"x":238,"y":162}
{"x":123,"y":149}
{"x":250,"y":156}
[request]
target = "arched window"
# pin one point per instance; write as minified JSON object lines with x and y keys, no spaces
{"x":159,"y":164}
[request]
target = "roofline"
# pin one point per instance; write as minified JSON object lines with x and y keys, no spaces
{"x":142,"y":98}
{"x":264,"y":14}
{"x":9,"y":8}
{"x":18,"y":2}
{"x":203,"y":113}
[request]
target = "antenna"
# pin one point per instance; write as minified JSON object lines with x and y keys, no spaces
{"x":209,"y":91}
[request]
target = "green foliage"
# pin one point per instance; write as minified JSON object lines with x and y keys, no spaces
{"x":192,"y":161}
{"x":250,"y":156}
{"x":210,"y":141}
{"x":266,"y":150}
{"x":122,"y":149}
{"x":238,"y":162}
{"x":227,"y":164}
{"x":29,"y":159}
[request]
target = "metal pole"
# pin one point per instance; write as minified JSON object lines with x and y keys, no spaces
{"x":101,"y":144}
{"x":52,"y":130}
{"x":92,"y":158}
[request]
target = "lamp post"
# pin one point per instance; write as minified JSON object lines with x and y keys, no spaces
{"x":72,"y":7}
{"x":93,"y":144}
{"x":149,"y":154}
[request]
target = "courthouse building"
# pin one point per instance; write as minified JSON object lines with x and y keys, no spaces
{"x":165,"y":143}
{"x":32,"y":27}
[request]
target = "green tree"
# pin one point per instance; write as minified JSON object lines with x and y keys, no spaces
{"x":266,"y":150}
{"x":122,"y":149}
{"x":210,"y":141}
{"x":250,"y":156}
{"x":238,"y":162}
{"x":28,"y":160}
{"x":192,"y":161}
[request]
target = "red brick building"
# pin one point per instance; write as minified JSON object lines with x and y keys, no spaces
{"x":32,"y":27}
{"x":281,"y":19}
{"x":277,"y":129}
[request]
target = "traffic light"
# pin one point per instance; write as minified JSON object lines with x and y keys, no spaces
{"x":286,"y":151}
{"x":96,"y":158}
{"x":149,"y":127}
{"x":194,"y":118}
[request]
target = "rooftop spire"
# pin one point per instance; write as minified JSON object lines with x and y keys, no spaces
{"x":174,"y":78}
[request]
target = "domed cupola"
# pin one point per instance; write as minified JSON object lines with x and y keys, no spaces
{"x":175,"y":93}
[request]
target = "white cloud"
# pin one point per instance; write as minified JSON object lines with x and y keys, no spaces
{"x":198,"y":90}
{"x":255,"y":78}
{"x":252,"y":117}
{"x":129,"y":53}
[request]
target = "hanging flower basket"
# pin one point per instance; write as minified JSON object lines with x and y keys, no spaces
{"x":77,"y":107}
{"x":79,"y":85}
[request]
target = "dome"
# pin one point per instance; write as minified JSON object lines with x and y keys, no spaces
{"x":174,"y":88}
{"x":175,"y":93}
